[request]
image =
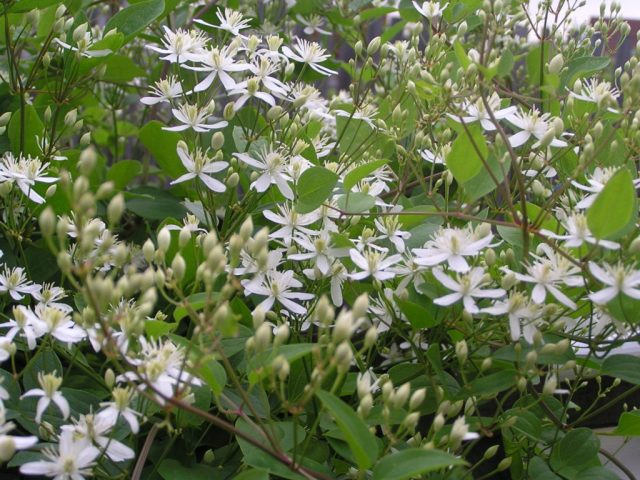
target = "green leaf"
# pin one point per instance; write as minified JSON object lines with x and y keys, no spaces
{"x":123,"y":172}
{"x":24,"y":6}
{"x":158,"y":328}
{"x":252,"y":475}
{"x":314,"y":187}
{"x":584,"y":67}
{"x":135,"y":18}
{"x":353,"y":135}
{"x":214,"y":374}
{"x":624,"y":367}
{"x":412,"y":463}
{"x":154,"y":204}
{"x":33,"y":128}
{"x":361,"y":441}
{"x":467,"y":152}
{"x":615,"y":209}
{"x":628,"y":424}
{"x":577,"y":451}
{"x":493,"y":383}
{"x":121,"y":69}
{"x":44,"y":362}
{"x":163,"y":147}
{"x":170,"y":469}
{"x":361,"y":171}
{"x":461,"y":54}
{"x":418,"y":316}
{"x":356,"y":202}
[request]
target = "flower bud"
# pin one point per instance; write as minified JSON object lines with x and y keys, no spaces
{"x":115,"y":209}
{"x":179,"y":267}
{"x":556,"y":64}
{"x":374,"y":45}
{"x":47,"y":222}
{"x":185,"y":237}
{"x":217,"y":140}
{"x":164,"y":239}
{"x":7,"y":448}
{"x":417,"y":398}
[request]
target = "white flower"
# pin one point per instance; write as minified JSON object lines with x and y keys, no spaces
{"x":431,"y":157}
{"x":191,"y":222}
{"x":58,"y":324}
{"x":96,"y":430}
{"x":83,"y":46}
{"x":164,"y":91}
{"x":430,"y":9}
{"x":272,"y":166}
{"x":547,"y":273}
{"x":50,"y":296}
{"x":119,"y":407}
{"x":250,"y":89}
{"x":476,"y":112}
{"x":451,"y":245}
{"x":337,"y":275}
{"x":276,"y":286}
{"x":230,"y":21}
{"x":319,"y":250}
{"x":466,"y":287}
{"x":578,"y":233}
{"x":192,"y":116}
{"x":25,"y":172}
{"x":374,"y":264}
{"x":10,"y":442}
{"x":531,"y":124}
{"x":596,"y":183}
{"x":180,"y":46}
{"x":595,"y":91}
{"x":25,"y":323}
{"x":162,"y":366}
{"x":48,"y":392}
{"x":14,"y":282}
{"x":389,"y":227}
{"x":312,"y":24}
{"x":200,"y":165}
{"x":521,"y":315}
{"x":309,"y":53}
{"x":618,"y":279}
{"x":73,"y":459}
{"x":217,"y":62}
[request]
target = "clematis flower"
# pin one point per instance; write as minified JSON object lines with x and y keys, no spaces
{"x":272,"y":165}
{"x":72,"y":460}
{"x":477,"y":112}
{"x":96,"y":430}
{"x":218,"y":63}
{"x":618,"y":279}
{"x":200,"y":165}
{"x":600,"y":93}
{"x":521,"y":314}
{"x":430,"y":9}
{"x":192,"y":116}
{"x":578,"y":233}
{"x":451,"y":245}
{"x":48,"y":392}
{"x":466,"y":287}
{"x":24,"y":324}
{"x":596,"y":183}
{"x":25,"y":172}
{"x":180,"y":46}
{"x":547,"y":273}
{"x":163,"y":91}
{"x":389,"y":227}
{"x":12,"y":443}
{"x":310,"y":53}
{"x":119,"y":407}
{"x":319,"y":250}
{"x":277,"y":286}
{"x":532,"y":124}
{"x":14,"y":282}
{"x":230,"y":21}
{"x":373,"y":264}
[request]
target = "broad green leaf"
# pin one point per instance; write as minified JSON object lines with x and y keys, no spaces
{"x":23,"y":6}
{"x":361,"y":171}
{"x":171,"y":469}
{"x":121,"y":69}
{"x":123,"y":172}
{"x":46,"y":361}
{"x":413,"y":463}
{"x":628,"y":424}
{"x":356,"y":202}
{"x":576,"y":451}
{"x":354,"y":136}
{"x":162,"y":146}
{"x":361,"y":441}
{"x":214,"y":374}
{"x":418,"y":316}
{"x":135,"y":18}
{"x":582,"y":67}
{"x":461,"y":54}
{"x":314,"y":187}
{"x":158,"y":328}
{"x":493,"y":383}
{"x":625,"y":367}
{"x":24,"y":130}
{"x":615,"y":209}
{"x":465,"y":160}
{"x":154,"y":204}
{"x":252,"y":475}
